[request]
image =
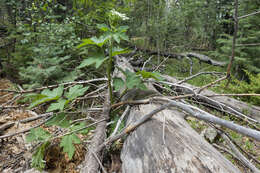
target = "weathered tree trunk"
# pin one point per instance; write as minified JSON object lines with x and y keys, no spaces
{"x":175,"y":147}
{"x":183,"y":151}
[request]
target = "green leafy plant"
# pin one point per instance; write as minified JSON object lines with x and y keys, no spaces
{"x":99,"y":47}
{"x":60,"y":99}
{"x":56,"y":95}
{"x":67,"y":141}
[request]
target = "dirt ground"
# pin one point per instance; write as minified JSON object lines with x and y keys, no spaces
{"x":16,"y":153}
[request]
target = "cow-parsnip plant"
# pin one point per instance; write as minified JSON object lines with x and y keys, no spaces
{"x":102,"y":49}
{"x":59,"y":100}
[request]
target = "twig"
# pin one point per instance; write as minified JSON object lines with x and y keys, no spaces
{"x":12,"y":100}
{"x":149,"y":100}
{"x":165,"y":59}
{"x":10,"y":124}
{"x":238,"y":95}
{"x":147,"y":62}
{"x":80,"y":129}
{"x":131,"y":127}
{"x":99,"y":162}
{"x":249,"y":44}
{"x":54,"y":86}
{"x":223,"y":106}
{"x":234,"y":142}
{"x":200,"y":114}
{"x":25,"y":130}
{"x":120,"y":120}
{"x":228,"y":112}
{"x":177,"y":85}
{"x":212,"y":83}
{"x":198,"y":74}
{"x":12,"y":107}
{"x":254,"y":13}
{"x":227,"y":151}
{"x":163,"y":135}
{"x":241,"y":157}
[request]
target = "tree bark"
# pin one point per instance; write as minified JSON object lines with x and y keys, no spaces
{"x":166,"y":143}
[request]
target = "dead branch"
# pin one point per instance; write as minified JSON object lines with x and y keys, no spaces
{"x":254,"y":13}
{"x":240,"y":156}
{"x":90,"y":164}
{"x":200,"y":57}
{"x":222,"y":102}
{"x":212,"y":83}
{"x":198,"y":74}
{"x":238,"y":95}
{"x":200,"y":114}
{"x":26,"y":130}
{"x":54,"y":86}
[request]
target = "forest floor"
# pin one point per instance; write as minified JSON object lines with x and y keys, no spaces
{"x":16,"y":153}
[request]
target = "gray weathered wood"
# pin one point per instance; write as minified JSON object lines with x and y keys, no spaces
{"x":184,"y":150}
{"x":180,"y":149}
{"x":250,"y":110}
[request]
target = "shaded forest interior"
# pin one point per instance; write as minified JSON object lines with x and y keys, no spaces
{"x":129,"y":86}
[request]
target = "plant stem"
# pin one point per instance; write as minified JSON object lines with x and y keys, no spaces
{"x":109,"y":67}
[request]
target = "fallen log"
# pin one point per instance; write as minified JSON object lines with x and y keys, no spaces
{"x":236,"y":105}
{"x":198,"y":56}
{"x":166,"y":143}
{"x":92,"y":158}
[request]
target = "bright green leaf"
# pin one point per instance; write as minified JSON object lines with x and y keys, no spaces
{"x":97,"y":59}
{"x":78,"y":126}
{"x":57,"y":106}
{"x":118,"y":51}
{"x":68,"y":142}
{"x":123,"y":36}
{"x":38,"y":134}
{"x":146,"y":75}
{"x":101,"y":40}
{"x":59,"y":120}
{"x":76,"y":91}
{"x":47,"y":95}
{"x":103,"y":27}
{"x":134,"y":81}
{"x":123,"y":28}
{"x":116,"y":37}
{"x":118,"y":83}
{"x":37,"y":158}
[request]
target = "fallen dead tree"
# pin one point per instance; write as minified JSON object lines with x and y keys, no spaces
{"x":166,"y":143}
{"x":200,"y":57}
{"x":158,"y":137}
{"x":221,"y":102}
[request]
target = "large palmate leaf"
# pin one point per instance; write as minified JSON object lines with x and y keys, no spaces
{"x":47,"y":95}
{"x":97,"y":59}
{"x":68,"y":142}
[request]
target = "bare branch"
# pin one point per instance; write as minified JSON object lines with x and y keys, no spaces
{"x":251,"y":14}
{"x":54,"y":86}
{"x":200,"y":114}
{"x":238,"y":95}
{"x":241,"y":157}
{"x":26,"y":130}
